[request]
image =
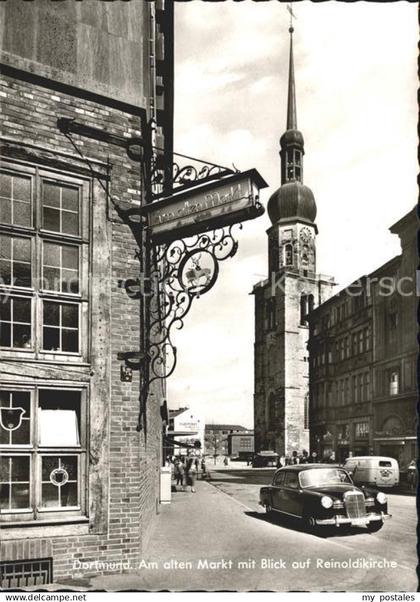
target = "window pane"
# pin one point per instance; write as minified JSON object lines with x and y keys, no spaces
{"x":5,"y":211}
{"x":5,"y":304}
{"x":70,"y":341}
{"x":21,"y":188}
{"x":70,"y":281}
{"x":51,"y":280}
{"x":51,"y":219}
{"x":20,"y":496}
{"x":70,"y":199}
{"x":21,"y":436}
{"x":22,"y":274}
{"x":50,"y":495}
{"x":51,"y":194}
{"x":21,"y":213}
{"x":51,"y":339}
{"x":58,"y":428}
{"x":51,"y":255}
{"x":6,"y":272}
{"x":4,"y":469}
{"x":69,"y":494}
{"x":60,"y":421}
{"x":4,"y":496}
{"x":69,"y":463}
{"x":70,"y":223}
{"x":22,"y":336}
{"x":5,"y":247}
{"x":51,"y":313}
{"x":5,"y":185}
{"x":49,"y":463}
{"x":59,"y":488}
{"x":22,"y":249}
{"x":70,"y":315}
{"x":5,"y":338}
{"x":22,"y":399}
{"x":71,"y":258}
{"x":22,"y":310}
{"x":20,"y":469}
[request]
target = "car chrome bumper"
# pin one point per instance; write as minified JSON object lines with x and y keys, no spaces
{"x":344,"y":520}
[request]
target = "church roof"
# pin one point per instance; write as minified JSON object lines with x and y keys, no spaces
{"x":293,"y":200}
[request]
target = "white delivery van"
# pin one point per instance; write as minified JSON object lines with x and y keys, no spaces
{"x":373,"y":470}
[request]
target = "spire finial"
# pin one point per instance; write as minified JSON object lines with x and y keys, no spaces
{"x":291,"y":98}
{"x":292,"y":16}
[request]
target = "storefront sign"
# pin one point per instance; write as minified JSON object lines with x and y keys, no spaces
{"x":229,"y":200}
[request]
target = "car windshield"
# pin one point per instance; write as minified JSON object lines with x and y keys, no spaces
{"x":323,"y":476}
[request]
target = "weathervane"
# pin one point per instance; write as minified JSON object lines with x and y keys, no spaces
{"x":292,"y":16}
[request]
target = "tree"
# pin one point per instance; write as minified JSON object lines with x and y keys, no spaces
{"x":214,"y":444}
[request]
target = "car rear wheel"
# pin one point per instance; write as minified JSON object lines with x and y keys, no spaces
{"x":375,"y":526}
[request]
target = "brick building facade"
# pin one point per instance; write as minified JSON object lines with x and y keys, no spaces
{"x":78,"y":482}
{"x":363,"y":353}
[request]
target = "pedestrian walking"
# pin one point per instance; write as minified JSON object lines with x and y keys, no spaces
{"x":179,"y":472}
{"x":304,"y":458}
{"x":411,"y":474}
{"x":226,"y":461}
{"x":295,"y":458}
{"x":190,"y":474}
{"x":203,"y":468}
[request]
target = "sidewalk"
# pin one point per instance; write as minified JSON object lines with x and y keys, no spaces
{"x":203,"y":525}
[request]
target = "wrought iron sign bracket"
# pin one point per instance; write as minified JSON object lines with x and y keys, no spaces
{"x":184,"y":229}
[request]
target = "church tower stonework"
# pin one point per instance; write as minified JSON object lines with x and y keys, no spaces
{"x":282,"y":302}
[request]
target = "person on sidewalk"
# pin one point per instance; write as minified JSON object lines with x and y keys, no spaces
{"x":190,"y":474}
{"x":179,"y":472}
{"x":203,"y":467}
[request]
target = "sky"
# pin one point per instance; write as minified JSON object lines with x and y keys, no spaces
{"x":356,"y":82}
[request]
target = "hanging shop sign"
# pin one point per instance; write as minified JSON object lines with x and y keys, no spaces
{"x":231,"y":199}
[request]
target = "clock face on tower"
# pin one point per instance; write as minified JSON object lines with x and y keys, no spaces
{"x":305,"y":235}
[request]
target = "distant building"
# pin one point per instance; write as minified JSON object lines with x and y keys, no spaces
{"x":216,"y":437}
{"x":363,"y":353}
{"x":190,"y":427}
{"x":241,"y":445}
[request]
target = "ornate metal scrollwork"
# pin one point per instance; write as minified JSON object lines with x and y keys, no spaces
{"x":186,"y":269}
{"x":183,"y":176}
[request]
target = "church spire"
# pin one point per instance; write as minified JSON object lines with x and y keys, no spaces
{"x":291,"y":143}
{"x":291,"y":98}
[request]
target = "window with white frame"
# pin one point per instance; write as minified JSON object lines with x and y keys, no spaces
{"x":42,"y":453}
{"x":43,"y":239}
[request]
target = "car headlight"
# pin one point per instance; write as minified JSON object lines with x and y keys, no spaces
{"x":381,"y":498}
{"x":326,"y":501}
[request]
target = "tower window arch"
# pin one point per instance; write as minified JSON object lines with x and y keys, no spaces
{"x":288,"y":254}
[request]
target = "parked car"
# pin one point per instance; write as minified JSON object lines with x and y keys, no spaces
{"x":378,"y":471}
{"x":265,"y":459}
{"x":324,"y":495}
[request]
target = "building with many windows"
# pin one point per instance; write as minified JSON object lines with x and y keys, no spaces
{"x":79,"y":474}
{"x":363,"y":352}
{"x":241,"y":445}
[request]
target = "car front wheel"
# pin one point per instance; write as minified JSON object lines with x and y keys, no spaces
{"x":375,"y":526}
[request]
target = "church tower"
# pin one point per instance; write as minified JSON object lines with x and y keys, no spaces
{"x":282,"y":302}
